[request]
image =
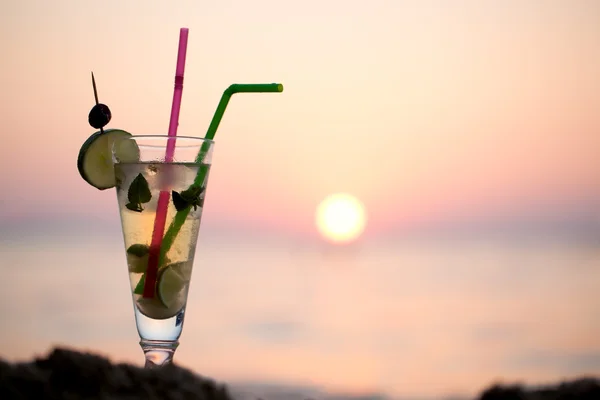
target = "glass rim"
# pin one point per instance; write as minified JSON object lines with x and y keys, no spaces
{"x":195,"y":139}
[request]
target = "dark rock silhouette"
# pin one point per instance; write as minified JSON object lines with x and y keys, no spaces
{"x":580,"y":389}
{"x":71,"y":375}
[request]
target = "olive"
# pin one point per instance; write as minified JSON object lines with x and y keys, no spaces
{"x":99,"y":116}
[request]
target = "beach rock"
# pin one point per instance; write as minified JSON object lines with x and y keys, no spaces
{"x":71,"y":375}
{"x":579,"y":389}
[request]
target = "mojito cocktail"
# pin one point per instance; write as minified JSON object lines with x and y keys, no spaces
{"x":161,"y":187}
{"x":160,"y":295}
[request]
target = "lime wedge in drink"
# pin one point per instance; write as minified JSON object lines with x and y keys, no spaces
{"x":153,"y":308}
{"x":170,"y":286}
{"x":170,"y":292}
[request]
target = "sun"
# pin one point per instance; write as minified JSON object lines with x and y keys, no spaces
{"x":341,"y":218}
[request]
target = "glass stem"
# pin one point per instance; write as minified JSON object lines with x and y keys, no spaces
{"x":158,"y":352}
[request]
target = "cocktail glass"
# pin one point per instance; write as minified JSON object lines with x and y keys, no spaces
{"x":160,"y":270}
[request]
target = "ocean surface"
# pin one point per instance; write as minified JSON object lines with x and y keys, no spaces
{"x":411,"y":317}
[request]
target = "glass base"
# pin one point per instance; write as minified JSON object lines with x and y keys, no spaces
{"x":158,"y":353}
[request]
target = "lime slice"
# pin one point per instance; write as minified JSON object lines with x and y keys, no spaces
{"x":139,"y":265}
{"x":153,"y":308}
{"x":170,"y":292}
{"x":170,"y":287}
{"x":95,"y":162}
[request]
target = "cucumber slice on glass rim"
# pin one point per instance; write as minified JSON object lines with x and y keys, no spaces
{"x":95,"y":162}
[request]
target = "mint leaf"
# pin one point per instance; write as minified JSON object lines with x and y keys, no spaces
{"x":193,"y":196}
{"x":138,"y":193}
{"x":139,"y":250}
{"x":134,"y":207}
{"x":179,"y":202}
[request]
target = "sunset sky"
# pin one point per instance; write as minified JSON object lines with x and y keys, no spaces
{"x":430,"y":112}
{"x":415,"y":107}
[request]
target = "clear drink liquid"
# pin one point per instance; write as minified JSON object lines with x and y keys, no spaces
{"x":159,"y":317}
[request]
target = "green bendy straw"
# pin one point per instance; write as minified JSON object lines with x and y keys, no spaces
{"x":180,"y":216}
{"x":230,"y":91}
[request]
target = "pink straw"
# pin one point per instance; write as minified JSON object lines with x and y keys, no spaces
{"x":163,"y":198}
